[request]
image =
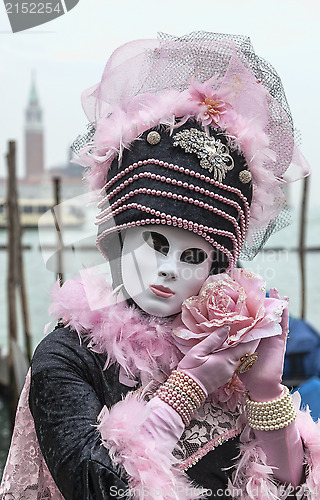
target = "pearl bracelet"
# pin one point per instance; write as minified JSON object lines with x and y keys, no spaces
{"x":192,"y":395}
{"x":183,"y":394}
{"x":271,"y":415}
{"x":183,"y":380}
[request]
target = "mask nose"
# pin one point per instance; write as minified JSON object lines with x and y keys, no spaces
{"x":168,"y":269}
{"x":169,"y":275}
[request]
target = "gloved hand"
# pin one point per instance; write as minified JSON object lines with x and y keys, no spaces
{"x":213,"y":369}
{"x":263,"y":380}
{"x":283,"y":447}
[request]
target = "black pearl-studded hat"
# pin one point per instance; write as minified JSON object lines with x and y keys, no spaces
{"x":186,"y":178}
{"x":193,"y":132}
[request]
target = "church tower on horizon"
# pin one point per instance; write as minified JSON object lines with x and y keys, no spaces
{"x":34,"y":137}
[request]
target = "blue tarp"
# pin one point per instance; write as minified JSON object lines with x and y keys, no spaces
{"x":310,"y":395}
{"x":303,"y":350}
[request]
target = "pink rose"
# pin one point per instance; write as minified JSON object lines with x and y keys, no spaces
{"x":238,"y":300}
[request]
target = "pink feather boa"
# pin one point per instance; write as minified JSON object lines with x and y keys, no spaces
{"x":141,"y":345}
{"x":310,"y":433}
{"x":148,"y":463}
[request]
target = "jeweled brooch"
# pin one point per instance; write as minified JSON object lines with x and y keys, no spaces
{"x":213,"y":154}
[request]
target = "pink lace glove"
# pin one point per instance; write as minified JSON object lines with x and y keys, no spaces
{"x":212,"y":370}
{"x":283,"y":447}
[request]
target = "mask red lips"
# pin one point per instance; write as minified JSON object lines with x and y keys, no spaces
{"x":161,"y":291}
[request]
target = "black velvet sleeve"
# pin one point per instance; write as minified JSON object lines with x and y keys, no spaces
{"x":215,"y":468}
{"x":68,"y":391}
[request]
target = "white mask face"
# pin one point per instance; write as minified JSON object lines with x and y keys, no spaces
{"x":162,"y":266}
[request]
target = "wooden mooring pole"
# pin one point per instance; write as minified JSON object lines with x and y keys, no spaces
{"x":302,"y":245}
{"x":24,"y":304}
{"x":58,"y":224}
{"x":12,"y":279}
{"x":15,"y":283}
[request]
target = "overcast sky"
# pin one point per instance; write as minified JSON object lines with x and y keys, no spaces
{"x":69,"y":54}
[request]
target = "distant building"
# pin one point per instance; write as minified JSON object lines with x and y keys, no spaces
{"x":34,"y":137}
{"x":68,"y":171}
{"x":34,"y":147}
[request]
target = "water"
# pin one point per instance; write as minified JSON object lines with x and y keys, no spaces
{"x":40,"y":268}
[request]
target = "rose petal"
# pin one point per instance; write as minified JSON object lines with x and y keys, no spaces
{"x":274,"y":308}
{"x":254,"y":286}
{"x":192,"y":317}
{"x":184,"y":334}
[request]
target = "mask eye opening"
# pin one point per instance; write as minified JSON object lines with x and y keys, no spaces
{"x":193,"y":256}
{"x":157,"y":241}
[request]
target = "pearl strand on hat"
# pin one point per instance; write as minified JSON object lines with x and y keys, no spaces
{"x":170,"y":220}
{"x":182,"y":170}
{"x":180,"y":197}
{"x":186,"y":171}
{"x":168,"y":180}
{"x":244,"y":218}
{"x":119,"y":206}
{"x":163,"y":215}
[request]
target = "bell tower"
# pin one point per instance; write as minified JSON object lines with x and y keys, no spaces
{"x":34,"y":143}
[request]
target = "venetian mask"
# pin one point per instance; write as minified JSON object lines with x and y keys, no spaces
{"x":162,"y":266}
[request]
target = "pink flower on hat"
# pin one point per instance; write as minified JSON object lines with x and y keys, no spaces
{"x":211,"y":108}
{"x":237,"y":300}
